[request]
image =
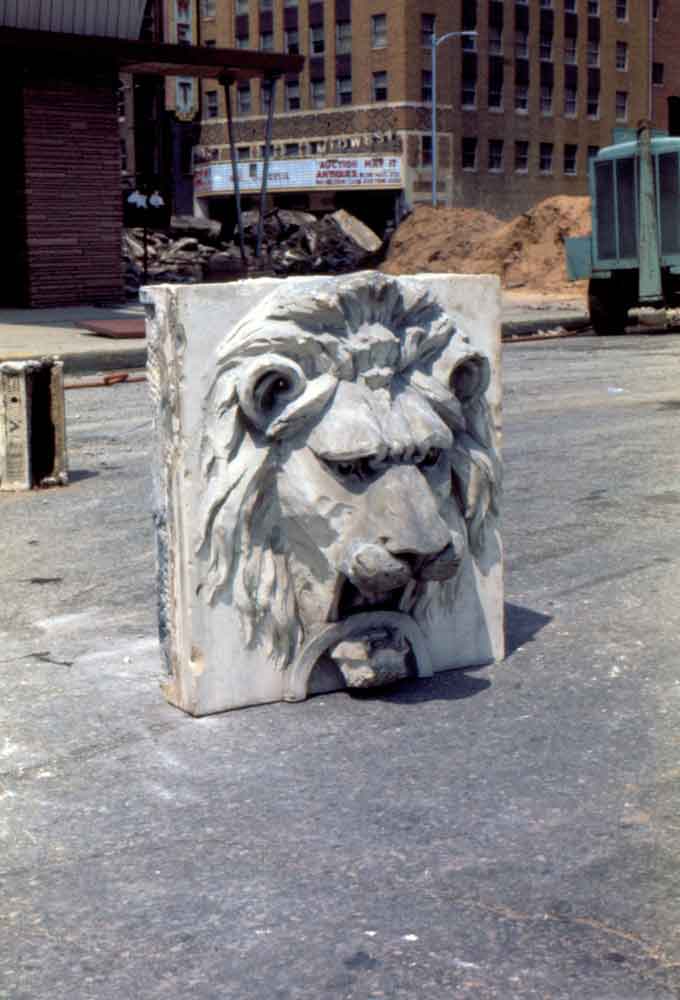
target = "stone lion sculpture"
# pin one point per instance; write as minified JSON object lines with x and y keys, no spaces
{"x":350,"y":463}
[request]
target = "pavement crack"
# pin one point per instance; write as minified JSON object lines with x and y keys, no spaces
{"x":649,"y":950}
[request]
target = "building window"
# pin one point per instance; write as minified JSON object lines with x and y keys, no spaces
{"x":468,"y":96}
{"x":426,"y":150}
{"x":208,"y":8}
{"x":378,"y":31}
{"x":521,"y":97}
{"x":241,"y":6}
{"x":570,"y":6}
{"x":621,"y":10}
{"x":380,"y":86}
{"x":266,"y":4}
{"x":316,"y":40}
{"x":521,"y":156}
{"x":621,"y":105}
{"x":292,"y":41}
{"x":495,"y":154}
{"x":343,"y":37}
{"x":522,"y":44}
{"x":469,"y":153}
{"x":343,"y":90}
{"x":265,"y":96}
{"x":593,"y":104}
{"x":242,"y":41}
{"x":570,"y":51}
{"x":655,"y":9}
{"x":593,"y":54}
{"x":547,"y":4}
{"x":593,"y":8}
{"x":212,"y":107}
{"x":426,"y":86}
{"x":546,"y":47}
{"x":545,"y":157}
{"x":592,"y":152}
{"x":317,"y":93}
{"x":621,"y":56}
{"x":657,"y":74}
{"x":243,"y":152}
{"x":546,"y":100}
{"x":495,"y":41}
{"x":570,"y":102}
{"x":292,"y":95}
{"x":291,"y":149}
{"x":266,"y":41}
{"x":243,"y":98}
{"x":495,"y":95}
{"x":570,"y":155}
{"x":427,"y":22}
{"x":183,"y":34}
{"x":468,"y":43}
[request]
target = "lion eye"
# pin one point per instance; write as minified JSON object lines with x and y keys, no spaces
{"x":343,"y":468}
{"x":430,"y":458}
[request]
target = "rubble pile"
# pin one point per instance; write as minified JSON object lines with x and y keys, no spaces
{"x":292,"y":243}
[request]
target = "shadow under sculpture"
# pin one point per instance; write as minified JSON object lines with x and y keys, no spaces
{"x":341,"y":484}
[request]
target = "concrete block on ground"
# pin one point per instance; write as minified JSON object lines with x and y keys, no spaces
{"x":326,"y":482}
{"x":32,"y":424}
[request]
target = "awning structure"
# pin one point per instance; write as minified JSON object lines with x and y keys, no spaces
{"x":130,"y":56}
{"x":115,"y":18}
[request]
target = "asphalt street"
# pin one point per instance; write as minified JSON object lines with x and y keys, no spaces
{"x":506,"y":832}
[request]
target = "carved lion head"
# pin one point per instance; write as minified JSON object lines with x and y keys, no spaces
{"x":350,"y":465}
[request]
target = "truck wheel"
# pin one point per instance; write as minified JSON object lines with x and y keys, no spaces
{"x":607,"y":307}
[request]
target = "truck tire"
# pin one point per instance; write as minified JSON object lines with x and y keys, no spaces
{"x":607,"y":307}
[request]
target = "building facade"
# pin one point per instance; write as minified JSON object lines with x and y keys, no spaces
{"x":522,"y":104}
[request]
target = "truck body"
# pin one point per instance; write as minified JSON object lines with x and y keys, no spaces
{"x":632,"y":255}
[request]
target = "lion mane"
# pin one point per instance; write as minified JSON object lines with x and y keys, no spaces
{"x":272,"y":375}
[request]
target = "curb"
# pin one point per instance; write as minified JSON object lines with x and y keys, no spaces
{"x":91,"y":362}
{"x":532,"y":328}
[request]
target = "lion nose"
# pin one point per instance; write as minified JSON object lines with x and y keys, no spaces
{"x":404,"y":517}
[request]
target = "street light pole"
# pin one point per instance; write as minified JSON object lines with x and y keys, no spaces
{"x":436,"y":42}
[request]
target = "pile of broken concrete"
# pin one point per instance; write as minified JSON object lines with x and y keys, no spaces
{"x":194,"y":250}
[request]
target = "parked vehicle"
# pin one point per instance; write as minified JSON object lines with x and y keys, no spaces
{"x":632,"y":256}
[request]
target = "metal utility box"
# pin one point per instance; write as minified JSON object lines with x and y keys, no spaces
{"x":32,"y":424}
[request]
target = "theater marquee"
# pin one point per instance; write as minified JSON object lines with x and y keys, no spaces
{"x":329,"y":173}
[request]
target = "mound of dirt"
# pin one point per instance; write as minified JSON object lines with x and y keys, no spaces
{"x":527,"y":252}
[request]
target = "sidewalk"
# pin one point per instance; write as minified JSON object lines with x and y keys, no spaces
{"x":33,"y":333}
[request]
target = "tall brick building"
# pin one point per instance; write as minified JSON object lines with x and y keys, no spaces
{"x":521,"y":106}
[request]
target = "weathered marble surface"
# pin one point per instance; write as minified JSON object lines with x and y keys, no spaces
{"x":326,"y":482}
{"x":32,"y":424}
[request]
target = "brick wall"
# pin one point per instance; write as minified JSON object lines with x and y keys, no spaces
{"x":73,"y":212}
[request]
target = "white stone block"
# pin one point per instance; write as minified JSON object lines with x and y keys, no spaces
{"x":326,"y":482}
{"x":32,"y":424}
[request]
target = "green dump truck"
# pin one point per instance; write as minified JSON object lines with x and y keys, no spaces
{"x":632,"y":256}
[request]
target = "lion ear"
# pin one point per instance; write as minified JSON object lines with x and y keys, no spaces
{"x":267,"y":385}
{"x":276,"y":397}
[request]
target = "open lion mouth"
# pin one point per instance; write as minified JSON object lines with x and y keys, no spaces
{"x":380,"y":653}
{"x":350,"y":600}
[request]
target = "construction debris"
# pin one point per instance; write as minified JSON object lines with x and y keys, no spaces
{"x":293,"y":243}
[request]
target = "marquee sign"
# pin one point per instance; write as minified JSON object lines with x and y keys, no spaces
{"x":302,"y":174}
